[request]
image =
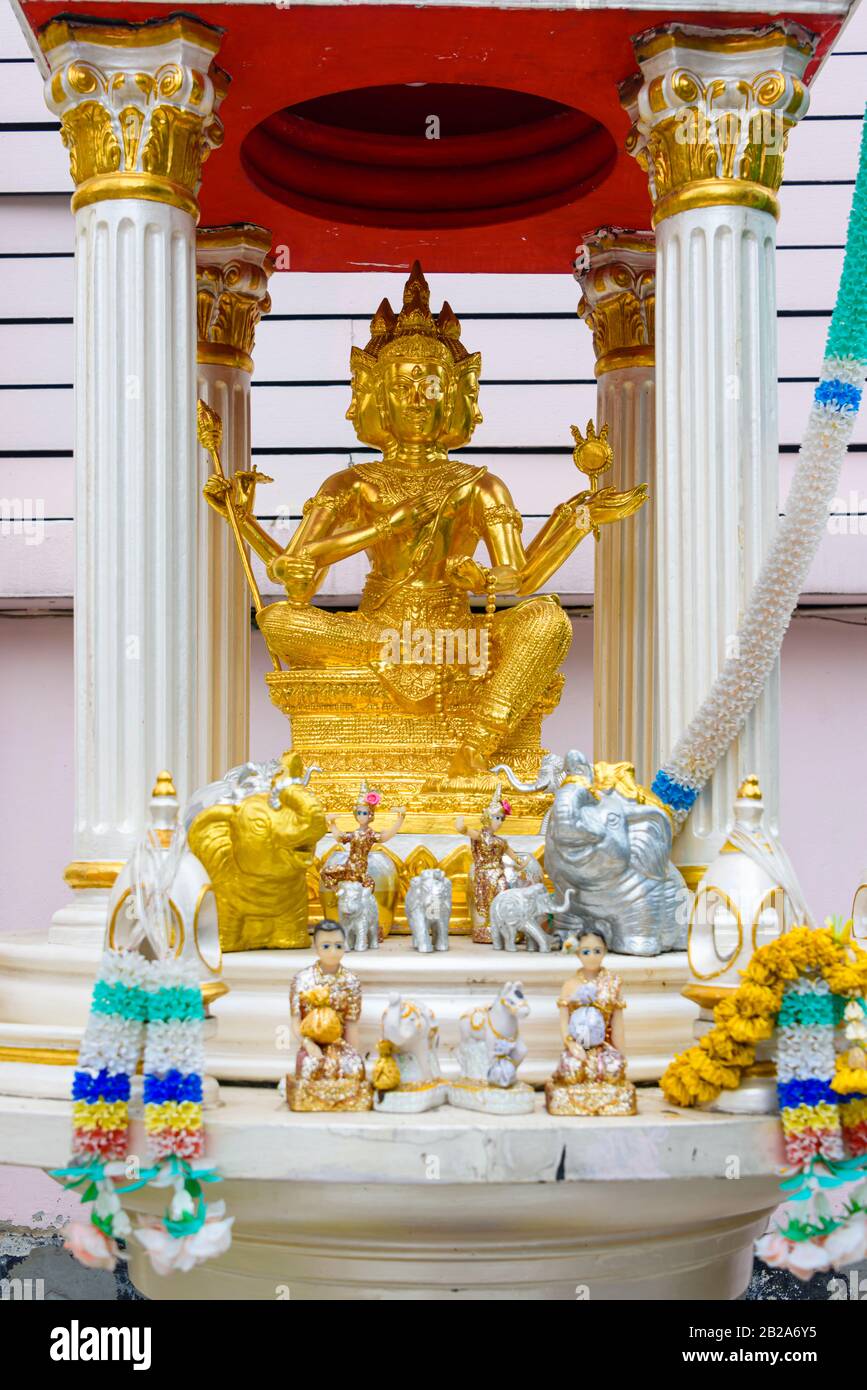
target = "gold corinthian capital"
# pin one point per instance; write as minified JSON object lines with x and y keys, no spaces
{"x":711,"y":112}
{"x":233,"y":267}
{"x":616,"y":270}
{"x":138,"y":106}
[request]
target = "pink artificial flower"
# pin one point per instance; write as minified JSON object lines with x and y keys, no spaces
{"x":373,"y":798}
{"x":774,"y":1250}
{"x":808,"y":1257}
{"x":848,"y":1244}
{"x":507,"y":807}
{"x":91,"y":1247}
{"x":803,"y":1258}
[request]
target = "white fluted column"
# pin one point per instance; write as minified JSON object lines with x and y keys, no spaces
{"x":233,"y":268}
{"x":711,"y":116}
{"x":137,"y":105}
{"x":616,"y":271}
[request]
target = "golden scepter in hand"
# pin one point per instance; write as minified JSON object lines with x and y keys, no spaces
{"x":209,"y":428}
{"x":594,"y":456}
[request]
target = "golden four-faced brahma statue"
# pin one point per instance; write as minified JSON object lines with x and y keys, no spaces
{"x":416,"y":688}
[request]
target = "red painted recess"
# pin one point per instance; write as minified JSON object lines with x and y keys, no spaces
{"x":530,"y":154}
{"x":363,"y":156}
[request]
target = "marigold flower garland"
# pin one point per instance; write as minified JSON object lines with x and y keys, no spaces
{"x":809,"y":985}
{"x":837,"y":398}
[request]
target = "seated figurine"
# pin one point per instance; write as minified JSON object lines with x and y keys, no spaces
{"x":420,"y":516}
{"x":325,"y":1004}
{"x":590,"y":1077}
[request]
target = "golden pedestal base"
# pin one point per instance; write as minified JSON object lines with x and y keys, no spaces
{"x":591,"y":1098}
{"x":345,"y":722}
{"x":338,"y":1094}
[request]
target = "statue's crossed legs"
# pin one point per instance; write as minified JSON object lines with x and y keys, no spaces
{"x":528,"y":643}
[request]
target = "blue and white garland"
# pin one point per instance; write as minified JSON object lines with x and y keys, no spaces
{"x":837,"y":398}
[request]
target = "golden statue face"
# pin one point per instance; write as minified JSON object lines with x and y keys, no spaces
{"x":364,"y":408}
{"x":465,"y":411}
{"x":414,"y":400}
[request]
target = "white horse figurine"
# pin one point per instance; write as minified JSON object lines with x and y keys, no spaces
{"x":412,"y":1033}
{"x":489,"y":1053}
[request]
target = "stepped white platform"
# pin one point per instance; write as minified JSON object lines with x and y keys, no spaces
{"x":45,"y":989}
{"x":454,"y":1206}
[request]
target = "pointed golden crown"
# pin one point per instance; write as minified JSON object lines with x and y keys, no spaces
{"x":415,"y":331}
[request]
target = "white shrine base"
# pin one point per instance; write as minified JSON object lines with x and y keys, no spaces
{"x":45,"y":989}
{"x":664,"y":1205}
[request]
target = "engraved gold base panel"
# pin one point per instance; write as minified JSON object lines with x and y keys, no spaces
{"x":591,"y":1098}
{"x":345,"y":723}
{"x":337,"y":1094}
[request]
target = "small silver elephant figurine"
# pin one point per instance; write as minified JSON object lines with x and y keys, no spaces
{"x":610,"y":843}
{"x":358,"y":915}
{"x":548,"y":778}
{"x":553,"y":770}
{"x":428,"y":905}
{"x":517,"y":910}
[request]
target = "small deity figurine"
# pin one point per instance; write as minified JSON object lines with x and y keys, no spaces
{"x":359,"y":842}
{"x":590,"y":1077}
{"x":325,"y":1006}
{"x":494,"y":863}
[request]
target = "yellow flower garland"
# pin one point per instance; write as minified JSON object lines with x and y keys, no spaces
{"x":749,"y":1015}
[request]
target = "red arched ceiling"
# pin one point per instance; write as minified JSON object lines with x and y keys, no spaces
{"x":279,"y":58}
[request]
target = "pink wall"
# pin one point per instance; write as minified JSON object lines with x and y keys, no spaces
{"x":824,"y":754}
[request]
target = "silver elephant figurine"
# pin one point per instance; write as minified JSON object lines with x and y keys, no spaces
{"x":358,"y":915}
{"x":517,"y":910}
{"x":247,"y":779}
{"x":552,"y":770}
{"x":428,"y":904}
{"x":614,"y":852}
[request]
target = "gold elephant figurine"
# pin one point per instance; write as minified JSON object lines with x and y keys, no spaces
{"x":257,"y":853}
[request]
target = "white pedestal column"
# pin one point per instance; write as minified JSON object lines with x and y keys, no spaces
{"x":233,"y":268}
{"x":616,"y":271}
{"x":137,"y":107}
{"x":718,"y":499}
{"x":711,"y":117}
